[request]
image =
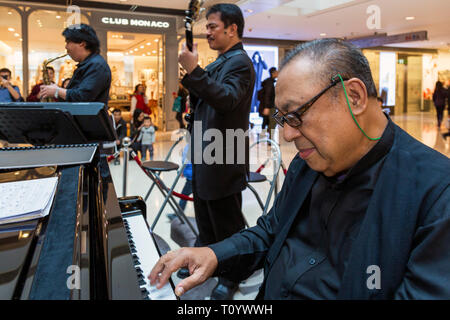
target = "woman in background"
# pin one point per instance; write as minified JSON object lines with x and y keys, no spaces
{"x":439,"y":96}
{"x":139,"y":100}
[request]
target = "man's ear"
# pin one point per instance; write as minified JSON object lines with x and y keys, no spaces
{"x":233,"y":30}
{"x":357,"y":95}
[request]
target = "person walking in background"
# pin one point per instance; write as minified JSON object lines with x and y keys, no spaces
{"x":179,"y":104}
{"x":439,"y":96}
{"x":267,"y":102}
{"x":187,"y":189}
{"x":139,"y":100}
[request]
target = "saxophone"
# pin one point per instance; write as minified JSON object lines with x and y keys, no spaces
{"x":45,"y":77}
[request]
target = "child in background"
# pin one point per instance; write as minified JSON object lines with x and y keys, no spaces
{"x":147,"y":138}
{"x":187,"y":189}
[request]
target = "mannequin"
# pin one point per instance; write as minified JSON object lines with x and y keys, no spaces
{"x":152,"y":87}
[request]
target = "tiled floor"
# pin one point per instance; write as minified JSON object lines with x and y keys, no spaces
{"x":422,"y":126}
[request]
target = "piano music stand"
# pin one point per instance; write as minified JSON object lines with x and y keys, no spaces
{"x":55,"y":123}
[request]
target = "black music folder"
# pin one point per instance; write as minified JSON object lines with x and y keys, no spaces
{"x":61,"y":133}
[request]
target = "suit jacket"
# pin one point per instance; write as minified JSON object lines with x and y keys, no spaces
{"x":221,"y":99}
{"x":405,"y":231}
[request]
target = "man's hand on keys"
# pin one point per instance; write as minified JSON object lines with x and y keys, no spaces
{"x":201,"y":263}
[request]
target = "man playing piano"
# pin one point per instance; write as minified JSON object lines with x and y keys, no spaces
{"x":364,"y":212}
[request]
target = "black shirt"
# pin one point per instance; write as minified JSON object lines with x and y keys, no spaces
{"x":315,"y":254}
{"x":91,"y":81}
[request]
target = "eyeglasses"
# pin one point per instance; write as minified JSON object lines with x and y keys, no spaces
{"x":294,"y":118}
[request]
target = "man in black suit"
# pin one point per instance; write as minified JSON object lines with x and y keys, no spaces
{"x":364,"y":212}
{"x":221,"y":97}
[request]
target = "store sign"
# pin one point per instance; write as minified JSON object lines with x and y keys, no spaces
{"x":136,"y":22}
{"x":377,"y":40}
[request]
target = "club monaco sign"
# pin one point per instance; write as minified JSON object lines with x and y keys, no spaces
{"x":135,"y":22}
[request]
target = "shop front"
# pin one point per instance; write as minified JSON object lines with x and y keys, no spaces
{"x":404,"y":78}
{"x":139,"y":48}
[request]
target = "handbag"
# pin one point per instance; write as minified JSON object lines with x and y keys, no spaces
{"x":177,"y":104}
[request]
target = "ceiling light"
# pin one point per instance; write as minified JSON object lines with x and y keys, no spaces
{"x":135,"y":49}
{"x":20,"y":39}
{"x":410,"y":18}
{"x":148,"y":43}
{"x":142,"y":47}
{"x":9,"y":12}
{"x":58,"y":17}
{"x":131,"y":51}
{"x":16,"y":35}
{"x":11,"y":29}
{"x":323,"y":34}
{"x":156,"y":40}
{"x":154,"y":51}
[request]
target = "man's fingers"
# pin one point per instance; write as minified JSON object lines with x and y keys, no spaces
{"x":190,"y":282}
{"x":159,"y":267}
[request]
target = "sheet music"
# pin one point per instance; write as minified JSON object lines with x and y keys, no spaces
{"x":27,"y":199}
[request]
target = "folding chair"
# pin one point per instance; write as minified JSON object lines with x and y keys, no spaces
{"x":257,"y":177}
{"x":153,"y":169}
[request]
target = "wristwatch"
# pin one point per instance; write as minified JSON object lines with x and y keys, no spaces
{"x":56,"y":93}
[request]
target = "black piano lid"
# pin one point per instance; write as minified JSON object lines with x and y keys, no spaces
{"x":15,"y":245}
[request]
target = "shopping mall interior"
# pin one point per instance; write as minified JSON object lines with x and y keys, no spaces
{"x":406,"y":42}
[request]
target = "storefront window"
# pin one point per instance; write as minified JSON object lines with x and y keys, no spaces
{"x":46,"y":42}
{"x":136,"y":58}
{"x":11,"y":45}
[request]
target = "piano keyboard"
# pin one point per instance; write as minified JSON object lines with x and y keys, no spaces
{"x":145,"y":255}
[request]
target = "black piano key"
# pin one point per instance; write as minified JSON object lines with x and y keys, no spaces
{"x":146,"y":298}
{"x":133,"y":250}
{"x":131,"y":242}
{"x":139,"y":270}
{"x":142,"y":282}
{"x":140,"y":276}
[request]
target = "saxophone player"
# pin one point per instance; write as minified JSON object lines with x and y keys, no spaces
{"x":91,"y":80}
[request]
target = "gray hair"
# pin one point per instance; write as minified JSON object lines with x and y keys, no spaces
{"x":335,"y":56}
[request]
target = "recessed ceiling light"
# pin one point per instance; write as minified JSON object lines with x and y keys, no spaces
{"x":148,"y":43}
{"x":20,"y":39}
{"x":410,"y":18}
{"x":154,"y":51}
{"x":11,"y":29}
{"x":9,"y":12}
{"x":142,"y":47}
{"x":323,"y":34}
{"x":58,"y":17}
{"x":156,"y":40}
{"x":16,"y":35}
{"x":135,"y":49}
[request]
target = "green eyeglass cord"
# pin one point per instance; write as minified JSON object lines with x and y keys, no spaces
{"x":351,"y":112}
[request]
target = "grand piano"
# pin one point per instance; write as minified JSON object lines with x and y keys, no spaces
{"x":92,"y":245}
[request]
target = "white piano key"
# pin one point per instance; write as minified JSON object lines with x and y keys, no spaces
{"x":148,"y":256}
